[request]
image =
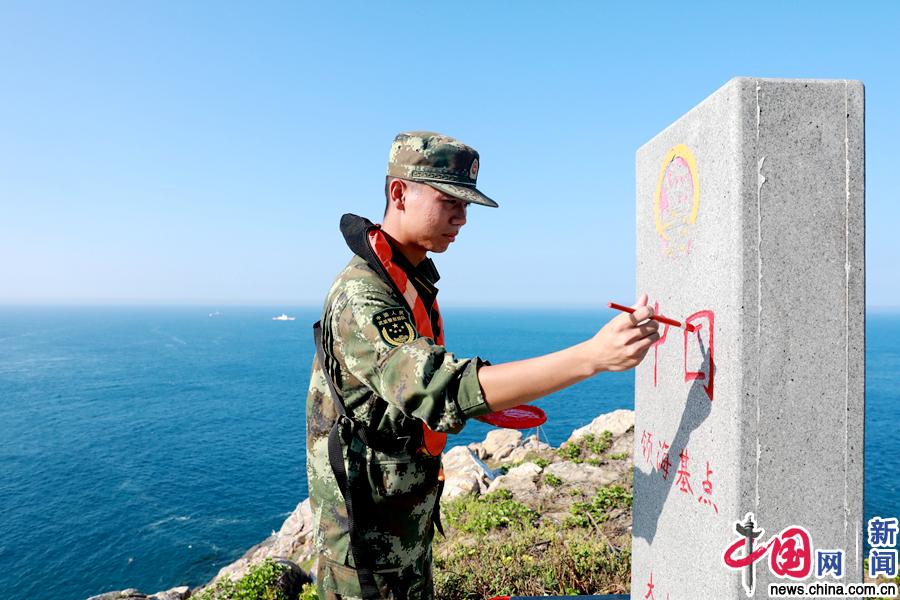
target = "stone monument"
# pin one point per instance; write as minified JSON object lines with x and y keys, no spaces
{"x":749,"y":427}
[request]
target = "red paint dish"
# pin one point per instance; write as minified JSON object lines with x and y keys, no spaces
{"x":518,"y":417}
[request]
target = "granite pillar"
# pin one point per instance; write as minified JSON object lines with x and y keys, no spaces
{"x":750,"y":228}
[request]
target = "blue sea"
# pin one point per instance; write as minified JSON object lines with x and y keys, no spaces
{"x":149,"y":447}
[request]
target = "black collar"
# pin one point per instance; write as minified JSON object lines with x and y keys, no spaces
{"x":424,"y":275}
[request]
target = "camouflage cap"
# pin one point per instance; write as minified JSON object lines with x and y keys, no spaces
{"x":442,"y":162}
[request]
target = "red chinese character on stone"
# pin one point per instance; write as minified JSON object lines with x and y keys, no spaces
{"x":683,"y":483}
{"x":791,"y":554}
{"x":662,"y":459}
{"x":702,"y":350}
{"x":647,"y":445}
{"x":650,"y":587}
{"x":706,"y":498}
{"x":658,"y":343}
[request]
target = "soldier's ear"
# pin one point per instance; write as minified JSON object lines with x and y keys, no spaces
{"x":397,"y":190}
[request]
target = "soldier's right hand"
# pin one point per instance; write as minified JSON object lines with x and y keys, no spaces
{"x":623,"y":342}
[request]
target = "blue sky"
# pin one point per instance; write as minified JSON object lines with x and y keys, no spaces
{"x":171,"y":152}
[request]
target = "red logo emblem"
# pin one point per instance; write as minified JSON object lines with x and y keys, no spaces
{"x":790,"y":552}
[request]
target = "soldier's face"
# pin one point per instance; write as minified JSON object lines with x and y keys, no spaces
{"x":432,"y":218}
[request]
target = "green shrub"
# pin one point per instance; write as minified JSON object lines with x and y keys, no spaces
{"x":531,"y":561}
{"x":587,"y":448}
{"x":597,"y":510}
{"x":553,"y":480}
{"x":257,"y":584}
{"x":570,"y":451}
{"x":480,"y":514}
{"x":619,"y":456}
{"x":598,"y":445}
{"x":224,"y":589}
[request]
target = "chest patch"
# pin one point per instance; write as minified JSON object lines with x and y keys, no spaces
{"x":394,"y":326}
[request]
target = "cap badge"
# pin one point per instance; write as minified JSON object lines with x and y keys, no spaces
{"x":473,"y":170}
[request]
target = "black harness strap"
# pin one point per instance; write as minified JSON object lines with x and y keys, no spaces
{"x":350,"y":490}
{"x":436,"y":513}
{"x":352,"y":487}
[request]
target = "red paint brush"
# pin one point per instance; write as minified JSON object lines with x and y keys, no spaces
{"x":659,"y":318}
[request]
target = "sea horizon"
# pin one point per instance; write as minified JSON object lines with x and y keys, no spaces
{"x":311,"y":306}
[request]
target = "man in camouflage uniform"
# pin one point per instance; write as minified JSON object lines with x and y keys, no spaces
{"x":380,"y":350}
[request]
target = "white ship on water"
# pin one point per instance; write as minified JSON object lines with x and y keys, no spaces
{"x":283,"y":317}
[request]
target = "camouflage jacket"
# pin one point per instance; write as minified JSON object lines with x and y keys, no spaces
{"x":390,"y":384}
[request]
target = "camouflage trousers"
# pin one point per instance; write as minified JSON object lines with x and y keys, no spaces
{"x":341,"y":582}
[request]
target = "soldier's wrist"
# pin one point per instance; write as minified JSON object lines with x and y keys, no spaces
{"x":592,"y":362}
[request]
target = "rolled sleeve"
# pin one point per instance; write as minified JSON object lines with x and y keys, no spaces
{"x":470,"y":396}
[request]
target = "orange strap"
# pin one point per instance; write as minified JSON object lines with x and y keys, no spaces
{"x":433,"y":442}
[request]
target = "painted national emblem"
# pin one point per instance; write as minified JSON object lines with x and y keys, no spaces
{"x":473,"y":170}
{"x":677,"y":201}
{"x":395,"y":326}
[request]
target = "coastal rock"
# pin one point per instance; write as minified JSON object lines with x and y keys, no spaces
{"x":623,"y":445}
{"x":617,"y":422}
{"x":582,"y":474}
{"x":500,"y":442}
{"x":129,"y":594}
{"x":176,"y":593}
{"x":477,"y":449}
{"x":464,"y":473}
{"x":293,"y":541}
{"x":529,"y":448}
{"x":521,"y":480}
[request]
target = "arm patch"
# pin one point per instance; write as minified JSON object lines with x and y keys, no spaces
{"x":394,"y":326}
